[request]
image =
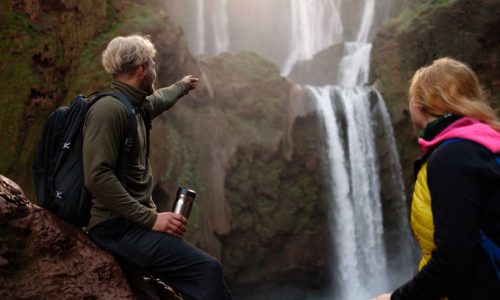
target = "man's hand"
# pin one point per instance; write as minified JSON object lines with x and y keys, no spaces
{"x":170,"y":223}
{"x":382,"y":297}
{"x":190,"y":81}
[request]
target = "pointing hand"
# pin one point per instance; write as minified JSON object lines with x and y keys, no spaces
{"x":190,"y":81}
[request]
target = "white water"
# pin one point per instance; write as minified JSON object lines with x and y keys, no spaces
{"x":360,"y":267}
{"x":315,"y":25}
{"x":220,"y":27}
{"x":366,"y":21}
{"x":354,"y":67}
{"x":357,"y":230}
{"x":199,"y":47}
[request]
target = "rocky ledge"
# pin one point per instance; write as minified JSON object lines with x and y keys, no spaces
{"x":42,"y":257}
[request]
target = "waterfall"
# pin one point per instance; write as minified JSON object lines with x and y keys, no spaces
{"x":360,"y":268}
{"x":315,"y":25}
{"x":354,"y":118}
{"x":200,"y":28}
{"x":366,"y":21}
{"x":404,"y":250}
{"x":355,"y":65}
{"x":220,"y":27}
{"x":357,"y":230}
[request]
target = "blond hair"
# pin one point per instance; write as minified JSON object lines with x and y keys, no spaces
{"x":450,"y":86}
{"x":124,"y":54}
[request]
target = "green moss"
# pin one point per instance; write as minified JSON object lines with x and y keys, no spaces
{"x":16,"y":51}
{"x":91,"y":76}
{"x":254,"y":66}
{"x":407,"y":17}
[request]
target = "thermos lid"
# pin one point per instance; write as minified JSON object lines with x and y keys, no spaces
{"x":186,"y":191}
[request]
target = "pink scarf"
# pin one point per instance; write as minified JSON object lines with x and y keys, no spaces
{"x":468,"y":129}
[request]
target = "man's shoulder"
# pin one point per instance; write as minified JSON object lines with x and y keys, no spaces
{"x":107,"y":109}
{"x":108,"y":104}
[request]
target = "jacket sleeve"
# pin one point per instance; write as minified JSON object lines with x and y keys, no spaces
{"x":104,"y":132}
{"x":164,"y":98}
{"x":454,"y":180}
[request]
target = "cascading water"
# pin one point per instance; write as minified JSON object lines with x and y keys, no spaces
{"x":366,"y":22}
{"x":211,"y":34}
{"x":200,"y":28}
{"x":355,"y":65}
{"x":360,"y":268}
{"x":350,"y":112}
{"x":220,"y":27}
{"x":308,"y":16}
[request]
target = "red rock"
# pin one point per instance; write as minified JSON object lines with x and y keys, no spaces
{"x":41,"y":256}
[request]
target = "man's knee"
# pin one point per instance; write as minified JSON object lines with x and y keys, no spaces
{"x":213,"y":267}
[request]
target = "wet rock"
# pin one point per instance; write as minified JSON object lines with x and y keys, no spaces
{"x":322,"y":69}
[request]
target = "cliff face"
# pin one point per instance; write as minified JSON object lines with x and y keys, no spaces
{"x":51,"y":52}
{"x":42,"y":41}
{"x":248,"y":142}
{"x":465,"y":30}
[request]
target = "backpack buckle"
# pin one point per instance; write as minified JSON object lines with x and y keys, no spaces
{"x":128,"y":144}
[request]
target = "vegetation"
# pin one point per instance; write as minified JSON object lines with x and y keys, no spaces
{"x":48,"y":60}
{"x":407,"y":17}
{"x":16,"y":65}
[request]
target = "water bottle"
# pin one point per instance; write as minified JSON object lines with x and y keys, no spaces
{"x":184,"y":201}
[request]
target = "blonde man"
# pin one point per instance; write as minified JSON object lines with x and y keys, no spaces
{"x":124,"y":219}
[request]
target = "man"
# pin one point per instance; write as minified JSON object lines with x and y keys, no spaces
{"x":124,"y":219}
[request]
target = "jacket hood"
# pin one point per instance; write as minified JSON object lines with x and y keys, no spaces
{"x":468,"y":129}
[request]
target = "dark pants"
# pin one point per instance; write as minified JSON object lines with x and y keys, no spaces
{"x":187,"y":269}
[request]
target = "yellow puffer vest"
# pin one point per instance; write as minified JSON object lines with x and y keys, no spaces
{"x":421,"y":216}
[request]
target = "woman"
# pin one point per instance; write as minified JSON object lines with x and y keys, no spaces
{"x":456,"y":200}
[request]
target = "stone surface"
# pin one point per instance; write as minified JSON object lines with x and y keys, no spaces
{"x":42,"y":257}
{"x":43,"y":41}
{"x":248,"y":141}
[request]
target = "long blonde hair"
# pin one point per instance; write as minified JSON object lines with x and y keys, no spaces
{"x":450,"y":86}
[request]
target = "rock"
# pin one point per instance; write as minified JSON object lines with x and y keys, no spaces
{"x":252,"y":150}
{"x":41,"y":256}
{"x":48,"y":39}
{"x":322,"y":69}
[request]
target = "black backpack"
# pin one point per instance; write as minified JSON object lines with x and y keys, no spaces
{"x":58,"y":167}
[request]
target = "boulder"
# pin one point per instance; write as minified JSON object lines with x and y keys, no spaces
{"x":42,"y":256}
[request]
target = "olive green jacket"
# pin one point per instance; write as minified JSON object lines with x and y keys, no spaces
{"x":104,"y":133}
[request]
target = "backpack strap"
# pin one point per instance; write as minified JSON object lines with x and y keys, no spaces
{"x":492,"y":249}
{"x":147,"y":121}
{"x":131,"y":131}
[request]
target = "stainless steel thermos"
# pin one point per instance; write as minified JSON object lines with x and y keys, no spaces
{"x":184,"y":201}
